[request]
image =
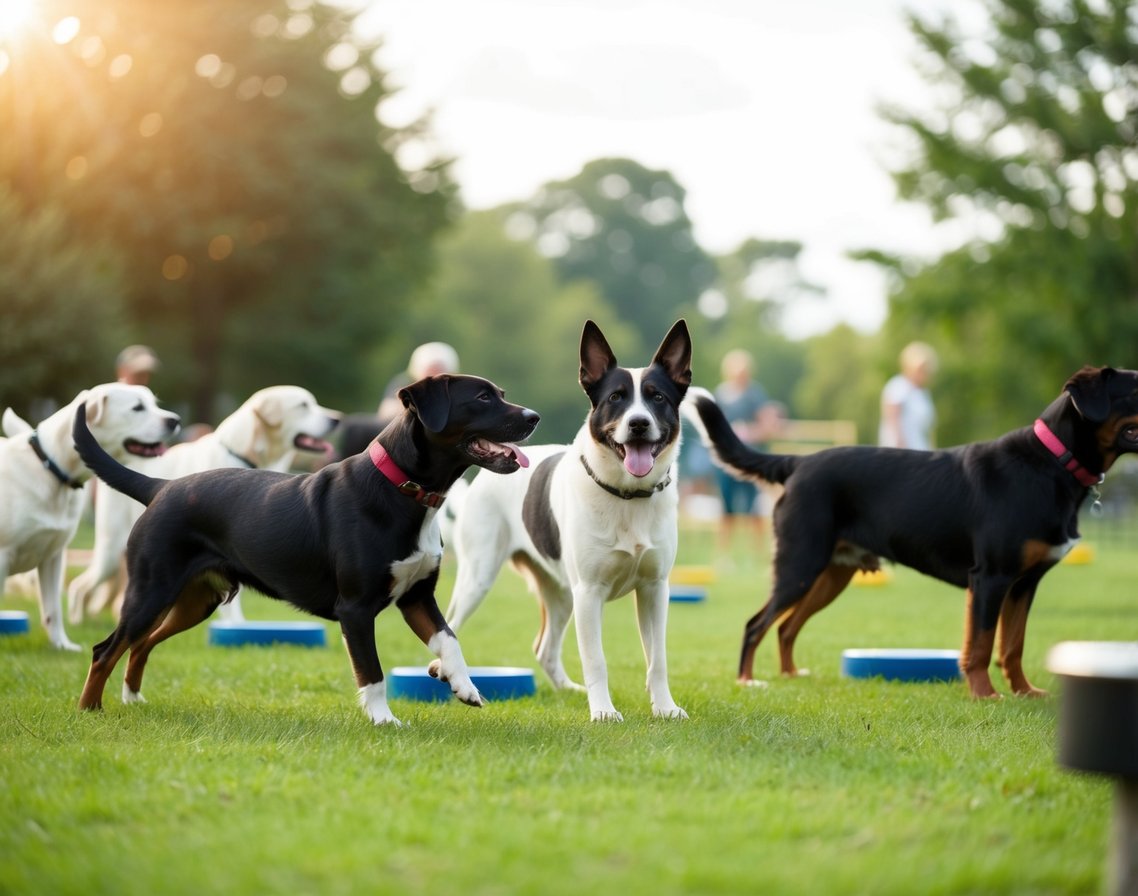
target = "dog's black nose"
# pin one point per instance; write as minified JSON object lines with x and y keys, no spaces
{"x":639,"y":425}
{"x":531,"y":417}
{"x":174,"y":423}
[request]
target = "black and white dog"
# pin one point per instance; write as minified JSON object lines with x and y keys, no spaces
{"x":341,"y":543}
{"x":590,"y":521}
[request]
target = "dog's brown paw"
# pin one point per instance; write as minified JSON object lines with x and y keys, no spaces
{"x":435,"y":670}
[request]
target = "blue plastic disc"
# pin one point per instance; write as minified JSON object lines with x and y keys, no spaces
{"x":13,"y":622}
{"x":493,"y":683}
{"x":237,"y":634}
{"x":687,"y":594}
{"x":902,"y":664}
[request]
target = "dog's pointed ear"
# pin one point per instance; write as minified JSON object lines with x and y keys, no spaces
{"x":429,"y":399}
{"x":674,"y":354}
{"x":596,"y":356}
{"x":1090,"y":392}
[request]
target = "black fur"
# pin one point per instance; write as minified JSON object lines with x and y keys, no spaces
{"x":991,"y":517}
{"x":537,"y":514}
{"x":324,"y":542}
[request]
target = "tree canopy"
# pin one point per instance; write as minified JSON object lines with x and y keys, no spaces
{"x":624,"y":228}
{"x":1031,"y":152}
{"x":228,"y":155}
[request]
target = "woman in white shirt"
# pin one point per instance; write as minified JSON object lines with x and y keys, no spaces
{"x":907,"y":413}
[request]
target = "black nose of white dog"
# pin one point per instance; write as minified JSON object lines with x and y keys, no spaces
{"x":638,"y":426}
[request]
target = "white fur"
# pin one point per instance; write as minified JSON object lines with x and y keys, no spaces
{"x":423,"y":561}
{"x":261,"y":431}
{"x":610,"y":546}
{"x":373,"y":698}
{"x":452,"y":667}
{"x":38,"y":513}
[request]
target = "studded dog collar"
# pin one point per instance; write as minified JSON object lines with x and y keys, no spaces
{"x":401,"y":480}
{"x":626,"y":494}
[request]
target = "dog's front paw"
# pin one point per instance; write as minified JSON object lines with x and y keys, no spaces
{"x":606,"y":715}
{"x":129,"y":696}
{"x":675,"y":712}
{"x":462,"y":687}
{"x":65,"y":643}
{"x":468,"y":695}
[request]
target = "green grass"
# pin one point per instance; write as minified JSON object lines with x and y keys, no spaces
{"x":254,"y":771}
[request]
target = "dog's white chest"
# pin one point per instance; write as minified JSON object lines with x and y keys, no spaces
{"x":422,"y":561}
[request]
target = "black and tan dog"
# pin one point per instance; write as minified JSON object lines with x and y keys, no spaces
{"x":991,"y":517}
{"x":342,"y":543}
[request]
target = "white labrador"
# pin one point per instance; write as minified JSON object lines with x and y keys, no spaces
{"x":265,"y":432}
{"x":41,"y":477}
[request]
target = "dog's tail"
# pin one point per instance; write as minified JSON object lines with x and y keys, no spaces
{"x":130,"y":482}
{"x":727,"y":450}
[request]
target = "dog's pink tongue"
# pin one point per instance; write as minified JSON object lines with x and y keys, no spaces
{"x":519,"y":455}
{"x":638,"y":459}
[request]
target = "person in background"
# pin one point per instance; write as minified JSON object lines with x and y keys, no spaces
{"x":135,"y":364}
{"x":744,"y":403}
{"x":908,"y":416}
{"x":429,"y":359}
{"x":356,"y":431}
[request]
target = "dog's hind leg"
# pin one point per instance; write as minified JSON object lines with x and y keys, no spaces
{"x":822,"y":593}
{"x":102,"y":570}
{"x":477,"y":570}
{"x":194,"y":605}
{"x":556,"y":604}
{"x":985,"y":598}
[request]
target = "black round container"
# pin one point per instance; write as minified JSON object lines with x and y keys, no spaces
{"x":1098,"y":706}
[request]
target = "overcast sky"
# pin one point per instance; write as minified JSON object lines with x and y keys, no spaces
{"x":765,"y":112}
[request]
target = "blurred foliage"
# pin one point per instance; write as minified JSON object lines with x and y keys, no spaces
{"x":230,"y":153}
{"x":60,"y":307}
{"x":498,"y":301}
{"x":1031,"y":148}
{"x":622,"y":227}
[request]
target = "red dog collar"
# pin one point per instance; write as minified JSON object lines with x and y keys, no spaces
{"x":1064,"y":456}
{"x":400,"y":480}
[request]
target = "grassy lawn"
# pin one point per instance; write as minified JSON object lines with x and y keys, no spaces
{"x":253,"y":770}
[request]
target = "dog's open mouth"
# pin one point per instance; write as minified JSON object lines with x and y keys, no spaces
{"x":639,"y":457}
{"x":312,"y":443}
{"x":144,"y":449}
{"x":491,"y":452}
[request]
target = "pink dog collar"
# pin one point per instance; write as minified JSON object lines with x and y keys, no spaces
{"x":1063,"y":454}
{"x":400,"y":480}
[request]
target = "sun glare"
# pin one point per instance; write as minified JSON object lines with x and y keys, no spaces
{"x":15,"y":16}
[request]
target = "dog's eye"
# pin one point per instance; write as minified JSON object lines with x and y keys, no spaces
{"x":139,"y":407}
{"x":616,"y":396}
{"x":483,"y":396}
{"x":658,"y":397}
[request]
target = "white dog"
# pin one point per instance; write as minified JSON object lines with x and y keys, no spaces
{"x":41,"y":476}
{"x":265,"y":432}
{"x":589,"y":522}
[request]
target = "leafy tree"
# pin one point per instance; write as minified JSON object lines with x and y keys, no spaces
{"x":61,"y":318}
{"x":842,"y":380}
{"x":623,"y":227}
{"x":499,"y":303}
{"x":231,"y":152}
{"x":755,"y":283}
{"x":1032,"y":148}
